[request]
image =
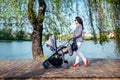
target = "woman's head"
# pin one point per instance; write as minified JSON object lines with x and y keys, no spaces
{"x":79,"y":20}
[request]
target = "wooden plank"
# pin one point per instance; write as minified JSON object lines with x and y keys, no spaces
{"x":98,"y":68}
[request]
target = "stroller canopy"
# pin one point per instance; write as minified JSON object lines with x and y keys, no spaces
{"x":51,"y":43}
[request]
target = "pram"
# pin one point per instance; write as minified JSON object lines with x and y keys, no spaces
{"x":57,"y":58}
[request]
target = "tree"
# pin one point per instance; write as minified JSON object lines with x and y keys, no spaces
{"x":116,"y":21}
{"x":37,"y":24}
{"x":13,"y":13}
{"x":58,"y":17}
{"x":55,"y":21}
{"x":105,"y":15}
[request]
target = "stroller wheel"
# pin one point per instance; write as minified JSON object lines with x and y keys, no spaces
{"x":66,"y":61}
{"x":45,"y":65}
{"x":65,"y":65}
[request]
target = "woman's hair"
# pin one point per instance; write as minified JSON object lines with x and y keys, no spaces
{"x":80,"y":21}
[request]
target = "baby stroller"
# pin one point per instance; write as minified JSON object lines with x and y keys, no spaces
{"x":57,"y":58}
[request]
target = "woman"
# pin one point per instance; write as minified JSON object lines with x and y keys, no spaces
{"x":77,"y":35}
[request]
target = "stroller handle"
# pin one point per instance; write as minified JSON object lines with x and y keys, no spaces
{"x":68,"y":41}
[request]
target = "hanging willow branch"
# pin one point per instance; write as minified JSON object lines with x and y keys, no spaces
{"x":101,"y":18}
{"x":96,"y":6}
{"x":91,"y":20}
{"x":116,"y":20}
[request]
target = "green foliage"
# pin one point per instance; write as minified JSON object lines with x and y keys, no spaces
{"x":114,"y":1}
{"x":107,"y":18}
{"x":6,"y":34}
{"x":57,"y":19}
{"x":10,"y":8}
{"x":13,"y":9}
{"x":103,"y":38}
{"x":20,"y":35}
{"x":117,"y":38}
{"x":13,"y":17}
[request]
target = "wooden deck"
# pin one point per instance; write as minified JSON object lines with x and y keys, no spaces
{"x":29,"y":69}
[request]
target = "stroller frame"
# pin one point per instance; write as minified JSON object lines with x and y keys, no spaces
{"x":57,"y":58}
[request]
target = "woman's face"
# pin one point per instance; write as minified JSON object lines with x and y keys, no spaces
{"x":76,"y":22}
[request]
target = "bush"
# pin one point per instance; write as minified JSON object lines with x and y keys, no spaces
{"x":20,"y":35}
{"x":6,"y":34}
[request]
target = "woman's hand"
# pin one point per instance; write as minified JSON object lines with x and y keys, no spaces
{"x":72,"y":36}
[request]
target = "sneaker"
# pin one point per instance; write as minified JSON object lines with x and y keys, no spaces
{"x":76,"y":65}
{"x":86,"y":63}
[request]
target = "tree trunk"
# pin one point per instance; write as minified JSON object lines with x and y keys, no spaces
{"x":37,"y":23}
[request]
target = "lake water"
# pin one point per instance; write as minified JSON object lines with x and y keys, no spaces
{"x":23,"y":50}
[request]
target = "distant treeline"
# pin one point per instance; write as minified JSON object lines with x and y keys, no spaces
{"x":7,"y":34}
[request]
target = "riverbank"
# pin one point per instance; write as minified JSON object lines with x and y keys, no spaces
{"x":30,"y":69}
